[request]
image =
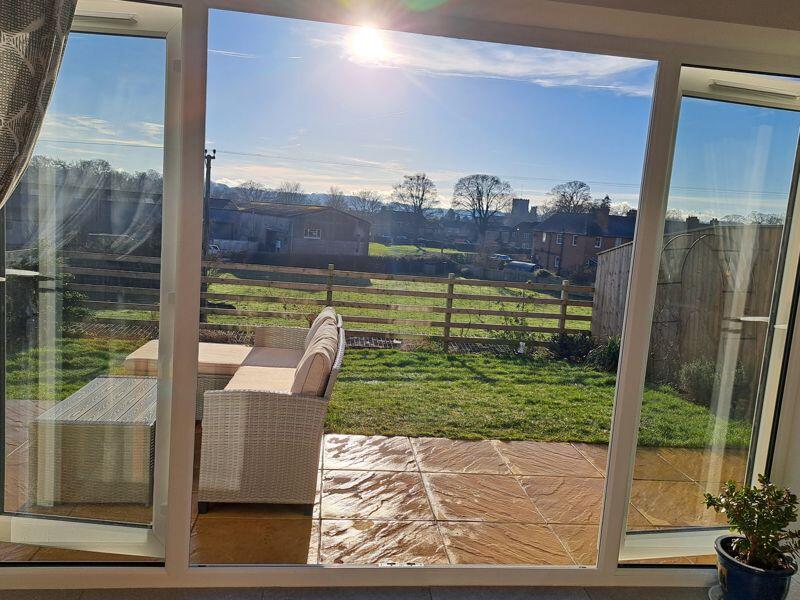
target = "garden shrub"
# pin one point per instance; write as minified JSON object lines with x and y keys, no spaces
{"x":699,"y":377}
{"x":605,"y":357}
{"x":572,"y":347}
{"x":543,"y":274}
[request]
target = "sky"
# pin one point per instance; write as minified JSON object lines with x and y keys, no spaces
{"x":325,"y":104}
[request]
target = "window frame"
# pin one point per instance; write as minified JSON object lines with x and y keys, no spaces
{"x":554,"y":28}
{"x":574,"y":239}
{"x":598,"y":241}
{"x":307,"y":231}
{"x":559,"y":239}
{"x":556,"y":262}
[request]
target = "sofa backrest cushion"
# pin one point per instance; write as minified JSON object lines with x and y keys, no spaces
{"x":314,"y":368}
{"x":326,"y":315}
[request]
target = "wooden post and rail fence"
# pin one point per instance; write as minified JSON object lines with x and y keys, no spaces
{"x":123,"y":277}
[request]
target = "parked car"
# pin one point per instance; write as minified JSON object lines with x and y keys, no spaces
{"x":501,"y":257}
{"x":518,"y":265}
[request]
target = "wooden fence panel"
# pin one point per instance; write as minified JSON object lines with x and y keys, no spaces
{"x":514,"y":307}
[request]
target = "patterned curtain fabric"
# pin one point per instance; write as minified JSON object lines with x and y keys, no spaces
{"x":33,"y":34}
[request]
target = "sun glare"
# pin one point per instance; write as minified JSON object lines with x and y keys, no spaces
{"x":366,"y":44}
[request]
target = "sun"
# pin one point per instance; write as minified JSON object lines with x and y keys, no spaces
{"x":366,"y":45}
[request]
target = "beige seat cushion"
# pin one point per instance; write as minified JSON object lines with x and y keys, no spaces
{"x":212,"y":358}
{"x":326,"y":315}
{"x":273,"y":357}
{"x":311,"y":375}
{"x":262,"y":379}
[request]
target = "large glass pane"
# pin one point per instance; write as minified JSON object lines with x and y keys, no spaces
{"x":419,"y":185}
{"x":715,"y":340}
{"x":82,"y":252}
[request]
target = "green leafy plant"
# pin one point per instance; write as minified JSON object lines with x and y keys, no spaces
{"x":605,"y":357}
{"x":572,"y":347}
{"x":761,"y":514}
{"x":699,"y":377}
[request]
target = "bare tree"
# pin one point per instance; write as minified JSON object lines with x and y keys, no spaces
{"x":760,"y":218}
{"x":623,"y":208}
{"x":290,"y":192}
{"x":252,"y":191}
{"x":484,"y":196}
{"x":416,"y":194}
{"x":570,"y":197}
{"x":367,"y":202}
{"x":336,"y":199}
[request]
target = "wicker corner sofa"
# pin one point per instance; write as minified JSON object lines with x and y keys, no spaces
{"x":260,"y":439}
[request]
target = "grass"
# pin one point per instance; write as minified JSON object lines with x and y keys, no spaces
{"x":75,"y":362}
{"x":401,"y":250}
{"x":512,"y":304}
{"x":478,"y":396}
{"x":423,"y":393}
{"x":426,"y":393}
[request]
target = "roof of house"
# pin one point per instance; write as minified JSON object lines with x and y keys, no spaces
{"x":586,"y":224}
{"x":288,"y":211}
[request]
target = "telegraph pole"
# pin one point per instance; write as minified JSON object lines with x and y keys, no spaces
{"x":206,"y":230}
{"x":207,"y":203}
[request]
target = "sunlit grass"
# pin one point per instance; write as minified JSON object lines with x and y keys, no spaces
{"x":387,"y":296}
{"x":378,"y":249}
{"x":40,"y":374}
{"x":478,"y":396}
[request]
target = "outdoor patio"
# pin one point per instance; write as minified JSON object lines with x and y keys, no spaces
{"x":388,"y":500}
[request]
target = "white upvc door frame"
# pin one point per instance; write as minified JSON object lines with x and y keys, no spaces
{"x":180,"y":305}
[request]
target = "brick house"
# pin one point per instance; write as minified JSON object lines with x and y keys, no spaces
{"x":566,"y":242}
{"x":292,"y":229}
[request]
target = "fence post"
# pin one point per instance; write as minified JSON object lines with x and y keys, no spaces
{"x":448,"y":311}
{"x":329,"y":294}
{"x":562,"y":320}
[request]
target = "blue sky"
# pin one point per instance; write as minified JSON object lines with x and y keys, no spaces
{"x":302,"y":101}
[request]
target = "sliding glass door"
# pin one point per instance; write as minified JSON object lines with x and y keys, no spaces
{"x":722,"y":307}
{"x":82,"y":227}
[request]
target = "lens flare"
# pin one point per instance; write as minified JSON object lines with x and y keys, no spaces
{"x":366,"y":45}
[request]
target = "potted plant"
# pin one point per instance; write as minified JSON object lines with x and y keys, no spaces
{"x":759,"y":562}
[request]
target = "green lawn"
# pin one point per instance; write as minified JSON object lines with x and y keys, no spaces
{"x":478,"y":396}
{"x":422,"y":393}
{"x":75,"y":363}
{"x":377,"y":249}
{"x":387,"y":297}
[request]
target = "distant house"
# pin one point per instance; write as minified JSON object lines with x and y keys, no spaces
{"x":565,"y":242}
{"x":290,"y":228}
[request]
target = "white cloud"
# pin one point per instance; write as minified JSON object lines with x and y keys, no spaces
{"x":86,"y":129}
{"x":151,"y":130}
{"x":467,"y":58}
{"x":232,"y":54}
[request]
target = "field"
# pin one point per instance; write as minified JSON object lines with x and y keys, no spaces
{"x":377,"y":249}
{"x":414,"y":308}
{"x":423,"y":393}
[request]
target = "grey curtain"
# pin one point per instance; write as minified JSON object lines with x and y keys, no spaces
{"x":33,"y":34}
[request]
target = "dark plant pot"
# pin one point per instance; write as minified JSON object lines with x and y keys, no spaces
{"x":739,"y":581}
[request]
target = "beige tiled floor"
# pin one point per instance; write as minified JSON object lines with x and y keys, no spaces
{"x":426,"y":501}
